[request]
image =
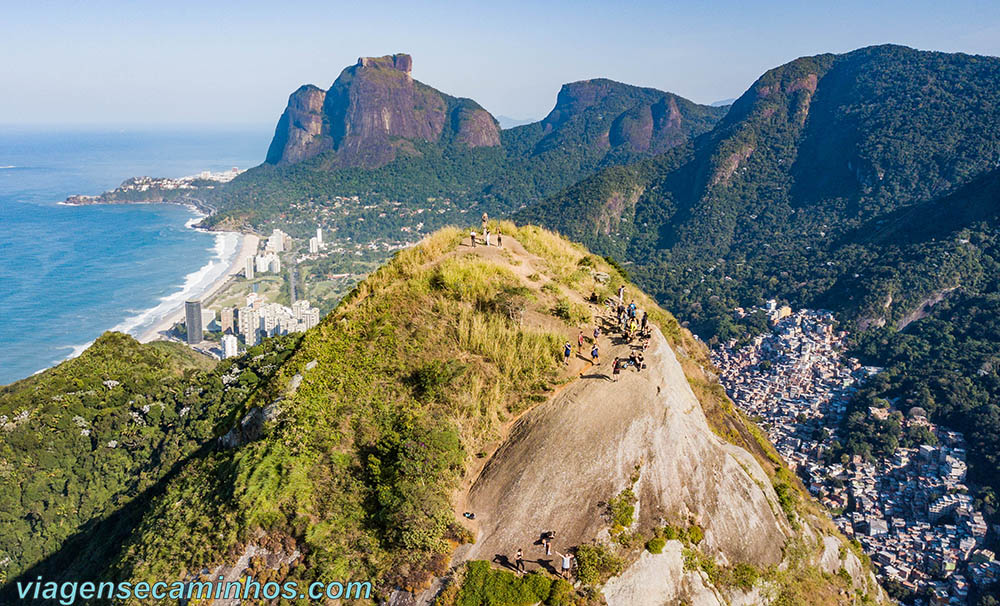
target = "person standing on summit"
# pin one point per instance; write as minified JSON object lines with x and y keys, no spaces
{"x":567,"y":563}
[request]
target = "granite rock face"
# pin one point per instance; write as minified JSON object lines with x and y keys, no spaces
{"x":624,"y":117}
{"x":374,"y":111}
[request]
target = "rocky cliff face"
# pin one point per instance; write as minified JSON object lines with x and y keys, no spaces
{"x":369,"y":114}
{"x":629,"y":118}
{"x":301,"y":133}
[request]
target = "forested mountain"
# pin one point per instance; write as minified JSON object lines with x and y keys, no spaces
{"x":865,"y":183}
{"x":381,"y":135}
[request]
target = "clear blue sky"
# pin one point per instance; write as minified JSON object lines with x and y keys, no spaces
{"x":175,"y":61}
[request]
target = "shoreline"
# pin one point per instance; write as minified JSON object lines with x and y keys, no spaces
{"x":248,"y":248}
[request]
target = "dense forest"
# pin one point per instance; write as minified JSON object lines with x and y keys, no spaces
{"x":89,"y":442}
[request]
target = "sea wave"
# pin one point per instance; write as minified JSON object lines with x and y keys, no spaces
{"x":7,"y":167}
{"x":195,"y":285}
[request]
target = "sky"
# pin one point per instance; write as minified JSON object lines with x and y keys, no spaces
{"x":235,"y":63}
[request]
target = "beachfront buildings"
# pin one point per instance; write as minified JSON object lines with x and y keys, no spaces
{"x":230,"y":346}
{"x":248,"y":271}
{"x":268,"y":262}
{"x":276,"y":241}
{"x":192,"y":319}
{"x":258,"y":319}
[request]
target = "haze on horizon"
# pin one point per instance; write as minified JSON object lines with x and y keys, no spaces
{"x":118,"y":63}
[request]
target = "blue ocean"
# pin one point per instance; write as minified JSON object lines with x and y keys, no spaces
{"x":69,"y":273}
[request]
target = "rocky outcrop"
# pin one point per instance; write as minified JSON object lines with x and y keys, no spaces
{"x":566,"y":458}
{"x":370,"y":112}
{"x":631,"y":118}
{"x":301,"y":133}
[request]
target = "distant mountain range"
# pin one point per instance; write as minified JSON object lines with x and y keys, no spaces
{"x":380,"y":134}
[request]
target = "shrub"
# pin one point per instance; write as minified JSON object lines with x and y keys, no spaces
{"x":571,"y":312}
{"x":655,"y":545}
{"x":621,"y":508}
{"x":596,"y":563}
{"x":561,"y":594}
{"x":429,"y":380}
{"x":744,"y":576}
{"x":484,"y":586}
{"x":695,"y":534}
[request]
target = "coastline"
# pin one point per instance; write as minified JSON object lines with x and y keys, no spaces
{"x":248,"y":247}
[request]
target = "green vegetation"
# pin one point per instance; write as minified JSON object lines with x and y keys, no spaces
{"x":784,"y":483}
{"x":86,"y":439}
{"x":596,"y":564}
{"x":656,"y":545}
{"x":483,"y":586}
{"x":621,"y":510}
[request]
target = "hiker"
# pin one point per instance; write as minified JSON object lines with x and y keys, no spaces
{"x":567,"y":350}
{"x":579,"y":342}
{"x":616,"y":370}
{"x":645,"y":321}
{"x":621,"y":295}
{"x":519,"y":560}
{"x":486,"y":236}
{"x":597,"y":333}
{"x":499,"y":238}
{"x":547,"y":541}
{"x":567,"y":563}
{"x":485,"y":221}
{"x":595,"y":355}
{"x":472,"y":235}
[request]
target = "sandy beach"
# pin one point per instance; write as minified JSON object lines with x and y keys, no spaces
{"x":248,"y":248}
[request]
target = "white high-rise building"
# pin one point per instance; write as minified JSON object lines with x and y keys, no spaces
{"x":319,"y":235}
{"x":208,"y":320}
{"x":249,"y":323}
{"x":230,"y":346}
{"x":313,"y":245}
{"x":276,"y":241}
{"x":306,"y":316}
{"x":248,"y":270}
{"x":268,"y":262}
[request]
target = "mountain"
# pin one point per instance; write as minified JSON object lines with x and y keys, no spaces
{"x":438,"y":387}
{"x":370,"y":111}
{"x":382,"y":136}
{"x":812,"y":156}
{"x":865,"y":183}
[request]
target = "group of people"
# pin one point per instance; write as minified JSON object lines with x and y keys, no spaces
{"x":486,"y":235}
{"x":566,"y":563}
{"x":636,"y":359}
{"x":630,"y":323}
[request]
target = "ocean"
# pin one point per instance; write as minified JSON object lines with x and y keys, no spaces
{"x":69,"y":273}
